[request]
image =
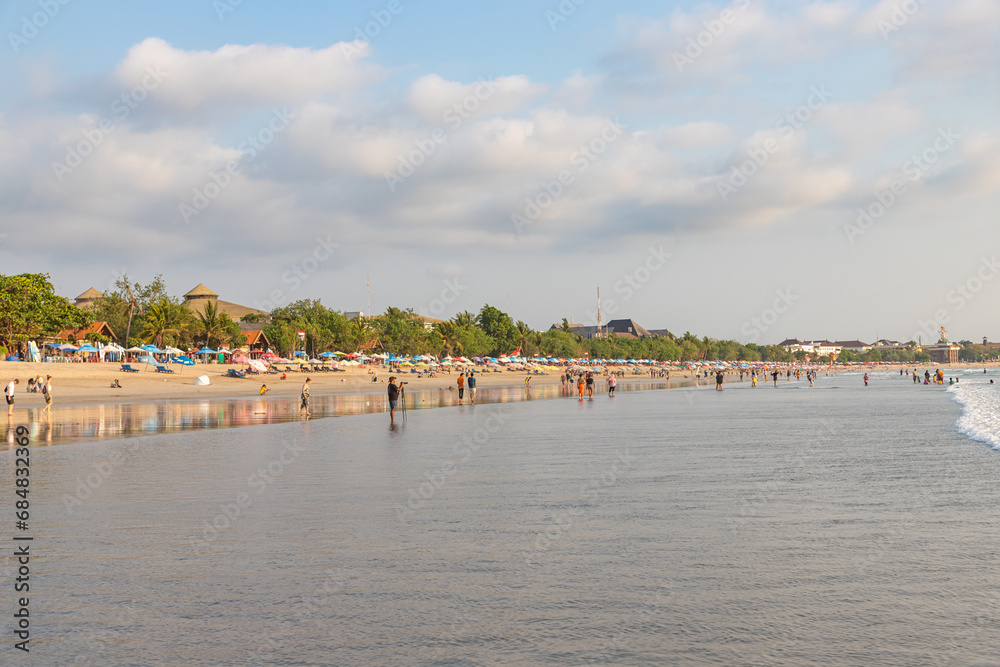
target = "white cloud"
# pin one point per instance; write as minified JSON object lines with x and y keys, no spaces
{"x":256,"y":74}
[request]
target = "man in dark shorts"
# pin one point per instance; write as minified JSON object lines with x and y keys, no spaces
{"x":718,"y":381}
{"x":393,"y":397}
{"x":472,"y":387}
{"x":590,"y":386}
{"x":775,"y":374}
{"x":9,"y":395}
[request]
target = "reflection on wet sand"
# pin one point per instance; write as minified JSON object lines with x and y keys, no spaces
{"x":67,"y":424}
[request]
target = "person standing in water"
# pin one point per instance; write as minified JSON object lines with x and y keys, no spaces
{"x":304,"y":406}
{"x":866,"y":379}
{"x":775,"y":376}
{"x":461,"y":387}
{"x":612,"y":383}
{"x":579,"y":385}
{"x":9,"y":395}
{"x":47,"y":393}
{"x":718,"y":381}
{"x":393,"y":397}
{"x":590,"y":386}
{"x":472,"y":387}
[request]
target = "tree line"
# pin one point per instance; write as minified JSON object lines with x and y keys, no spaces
{"x":147,"y":314}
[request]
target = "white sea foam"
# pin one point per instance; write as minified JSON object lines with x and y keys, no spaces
{"x":980,"y":418}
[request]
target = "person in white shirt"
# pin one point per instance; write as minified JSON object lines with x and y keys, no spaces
{"x":9,"y":395}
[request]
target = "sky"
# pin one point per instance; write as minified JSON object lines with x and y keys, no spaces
{"x":756,"y":170}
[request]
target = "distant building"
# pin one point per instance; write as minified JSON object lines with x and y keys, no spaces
{"x":625,"y":328}
{"x":853,"y":345}
{"x":820,"y":348}
{"x":98,"y":328}
{"x":86,"y":300}
{"x":200,"y":296}
{"x":620,"y":327}
{"x":944,"y":351}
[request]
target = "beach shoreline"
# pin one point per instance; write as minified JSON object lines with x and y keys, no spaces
{"x":87,"y":384}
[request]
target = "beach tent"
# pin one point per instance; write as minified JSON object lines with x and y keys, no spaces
{"x":203,"y":381}
{"x":258,"y":365}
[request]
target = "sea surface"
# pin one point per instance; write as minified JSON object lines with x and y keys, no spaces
{"x":837,"y":524}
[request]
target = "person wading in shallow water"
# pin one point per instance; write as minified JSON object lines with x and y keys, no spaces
{"x":461,"y":387}
{"x":718,"y":381}
{"x":393,"y":397}
{"x":304,"y":407}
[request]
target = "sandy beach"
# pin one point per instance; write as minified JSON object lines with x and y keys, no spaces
{"x":90,"y":383}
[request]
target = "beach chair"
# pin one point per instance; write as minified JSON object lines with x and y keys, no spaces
{"x":164,"y":369}
{"x":127,"y":368}
{"x":233,"y":373}
{"x":290,"y":369}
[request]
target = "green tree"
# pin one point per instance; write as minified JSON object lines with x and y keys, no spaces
{"x":500,"y":327}
{"x":30,"y":309}
{"x":464,"y":319}
{"x":209,"y":327}
{"x":451,"y":342}
{"x":163,"y":322}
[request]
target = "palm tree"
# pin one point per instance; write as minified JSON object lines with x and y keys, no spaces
{"x":449,"y":332}
{"x":210,"y":324}
{"x":524,"y":337}
{"x":362,"y":331}
{"x":133,"y":307}
{"x":163,"y":320}
{"x":464,"y":319}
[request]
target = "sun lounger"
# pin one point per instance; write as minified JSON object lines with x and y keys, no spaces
{"x":127,"y":368}
{"x":163,"y":369}
{"x":233,"y":373}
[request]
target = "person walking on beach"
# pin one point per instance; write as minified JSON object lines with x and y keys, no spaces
{"x":612,"y":383}
{"x":718,"y":381}
{"x":9,"y":395}
{"x":472,"y":388}
{"x":590,"y":385}
{"x":305,"y":398}
{"x":775,"y":376}
{"x":461,"y":387}
{"x":393,"y":397}
{"x":47,"y":393}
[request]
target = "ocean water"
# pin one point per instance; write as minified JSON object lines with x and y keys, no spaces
{"x":773,"y":526}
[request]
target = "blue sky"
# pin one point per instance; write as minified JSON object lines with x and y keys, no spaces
{"x":694,"y":152}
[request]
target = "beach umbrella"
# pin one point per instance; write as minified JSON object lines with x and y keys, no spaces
{"x":135,"y":349}
{"x":241,"y":359}
{"x":88,"y":349}
{"x":258,"y":365}
{"x":205,"y":350}
{"x":149,"y":359}
{"x":328,"y":354}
